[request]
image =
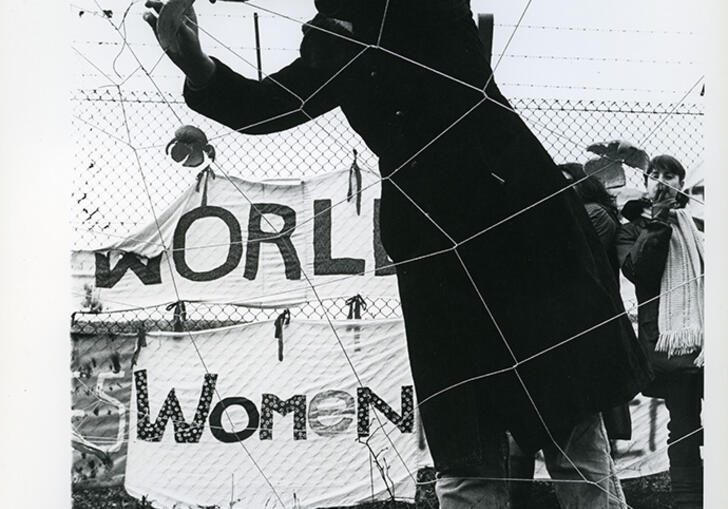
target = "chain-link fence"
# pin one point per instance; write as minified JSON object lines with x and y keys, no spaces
{"x":120,"y":157}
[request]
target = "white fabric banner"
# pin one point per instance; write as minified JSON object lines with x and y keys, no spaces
{"x":285,"y":423}
{"x":243,"y":242}
{"x":646,"y":453}
{"x":274,"y":423}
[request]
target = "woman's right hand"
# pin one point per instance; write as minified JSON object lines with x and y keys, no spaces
{"x":177,"y":33}
{"x":663,"y":204}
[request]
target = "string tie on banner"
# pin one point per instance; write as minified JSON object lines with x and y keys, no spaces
{"x":115,"y":359}
{"x":356,"y":305}
{"x":202,"y":178}
{"x":141,"y":342}
{"x":355,"y":182}
{"x":282,"y":320}
{"x":180,"y":315}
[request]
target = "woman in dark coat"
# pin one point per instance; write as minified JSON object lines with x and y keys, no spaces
{"x":603,"y":215}
{"x":600,"y":208}
{"x":647,"y":247}
{"x":526,"y":283}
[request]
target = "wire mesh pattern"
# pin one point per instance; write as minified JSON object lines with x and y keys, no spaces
{"x":109,"y":202}
{"x":202,"y":316}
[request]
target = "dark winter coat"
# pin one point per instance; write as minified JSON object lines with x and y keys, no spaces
{"x":617,"y":420}
{"x":605,"y":223}
{"x":528,"y":282}
{"x":642,"y":248}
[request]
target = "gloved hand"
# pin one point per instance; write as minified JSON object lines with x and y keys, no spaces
{"x":175,"y":27}
{"x":622,"y":151}
{"x":664,"y":204}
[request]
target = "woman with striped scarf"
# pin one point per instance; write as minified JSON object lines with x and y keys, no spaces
{"x":661,"y":251}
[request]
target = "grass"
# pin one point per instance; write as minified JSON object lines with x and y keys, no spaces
{"x":651,"y":492}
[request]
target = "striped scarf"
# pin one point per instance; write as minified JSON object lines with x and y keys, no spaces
{"x":680,"y":315}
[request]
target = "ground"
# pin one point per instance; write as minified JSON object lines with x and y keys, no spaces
{"x":650,"y":492}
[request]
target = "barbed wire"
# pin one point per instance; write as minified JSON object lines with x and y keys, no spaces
{"x":153,"y":45}
{"x":599,"y":29}
{"x":582,"y":58}
{"x":587,"y":87}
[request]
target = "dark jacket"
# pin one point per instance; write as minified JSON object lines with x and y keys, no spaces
{"x":617,"y":420}
{"x":605,"y":223}
{"x":527,"y":283}
{"x":642,"y":248}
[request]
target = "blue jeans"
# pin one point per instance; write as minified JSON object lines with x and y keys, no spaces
{"x":587,"y":454}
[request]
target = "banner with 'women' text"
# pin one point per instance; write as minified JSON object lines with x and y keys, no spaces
{"x":320,"y":416}
{"x":105,"y":368}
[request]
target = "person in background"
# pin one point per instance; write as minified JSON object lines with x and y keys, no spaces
{"x":661,"y":251}
{"x":603,"y":215}
{"x":599,"y":205}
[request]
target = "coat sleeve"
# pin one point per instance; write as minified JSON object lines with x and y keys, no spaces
{"x":642,"y":251}
{"x":604,"y":224}
{"x":292,"y":96}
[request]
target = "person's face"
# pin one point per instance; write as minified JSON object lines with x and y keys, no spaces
{"x":666,"y":183}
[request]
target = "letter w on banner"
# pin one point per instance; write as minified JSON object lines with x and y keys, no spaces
{"x":301,"y":432}
{"x":252,"y":243}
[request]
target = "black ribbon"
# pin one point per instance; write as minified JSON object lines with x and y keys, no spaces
{"x":283,"y":319}
{"x":355,"y":180}
{"x":180,"y":315}
{"x":206,"y":174}
{"x":356,"y":305}
{"x":141,"y":342}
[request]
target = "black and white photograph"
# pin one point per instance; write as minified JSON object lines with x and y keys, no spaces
{"x":374,"y":254}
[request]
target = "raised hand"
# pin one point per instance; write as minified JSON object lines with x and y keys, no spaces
{"x":663,"y":204}
{"x":622,"y":151}
{"x":175,"y":26}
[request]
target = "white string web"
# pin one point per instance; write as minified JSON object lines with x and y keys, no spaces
{"x":128,"y":141}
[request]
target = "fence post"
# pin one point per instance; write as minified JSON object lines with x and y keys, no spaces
{"x":257,"y":46}
{"x":485,"y":31}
